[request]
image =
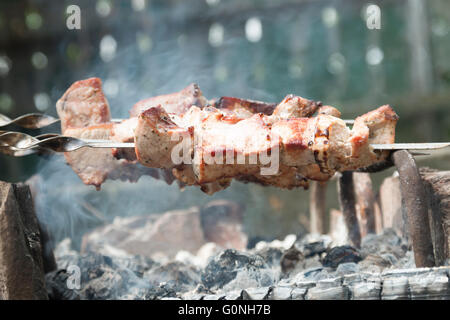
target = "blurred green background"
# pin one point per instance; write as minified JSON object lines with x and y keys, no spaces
{"x":319,"y":49}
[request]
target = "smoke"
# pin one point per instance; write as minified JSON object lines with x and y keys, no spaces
{"x":164,"y":56}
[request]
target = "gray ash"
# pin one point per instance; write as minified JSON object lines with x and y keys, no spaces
{"x":317,"y":270}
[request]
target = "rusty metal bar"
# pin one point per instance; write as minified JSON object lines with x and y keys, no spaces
{"x":317,"y":207}
{"x":416,"y":206}
{"x":346,"y":193}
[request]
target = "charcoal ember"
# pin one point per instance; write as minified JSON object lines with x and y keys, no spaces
{"x":341,"y":254}
{"x":137,"y":264}
{"x":176,"y":275}
{"x":271,"y":255}
{"x":233,"y":269}
{"x":298,"y":293}
{"x":233,"y":295}
{"x":214,"y":297}
{"x":103,"y":277}
{"x":374,"y":262}
{"x":395,"y":288}
{"x":431,"y":284}
{"x":386,"y":243}
{"x":256,"y":293}
{"x":57,"y":288}
{"x":364,"y":286}
{"x":415,"y":283}
{"x":291,"y":259}
{"x":281,"y":292}
{"x":347,"y":268}
{"x":313,"y":245}
{"x":309,"y":277}
{"x":328,"y":289}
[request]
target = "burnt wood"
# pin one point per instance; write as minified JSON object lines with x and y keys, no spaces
{"x":416,"y":207}
{"x":347,"y":202}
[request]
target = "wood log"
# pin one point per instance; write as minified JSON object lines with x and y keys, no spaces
{"x":437,"y":185}
{"x":415,"y":202}
{"x":365,"y":201}
{"x":338,"y":230}
{"x":391,"y":204}
{"x":21,"y":266}
{"x":346,"y":193}
{"x":317,"y":207}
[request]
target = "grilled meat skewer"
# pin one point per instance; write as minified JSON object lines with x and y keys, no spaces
{"x":310,"y":148}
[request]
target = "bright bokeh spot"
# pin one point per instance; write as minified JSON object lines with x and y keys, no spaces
{"x":39,"y":60}
{"x":33,"y":20}
{"x":6,"y":103}
{"x":253,"y":29}
{"x":103,"y":8}
{"x":336,"y":63}
{"x":111,"y":87}
{"x":108,"y":47}
{"x":374,"y":56}
{"x":138,"y":5}
{"x":42,"y":101}
{"x":330,"y":16}
{"x":215,"y":35}
{"x":5,"y":65}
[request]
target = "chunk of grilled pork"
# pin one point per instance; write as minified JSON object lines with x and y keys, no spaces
{"x":309,"y":148}
{"x":85,"y":114}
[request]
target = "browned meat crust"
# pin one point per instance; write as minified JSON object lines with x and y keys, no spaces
{"x":177,"y":103}
{"x":84,"y":113}
{"x":83,"y":104}
{"x":308,"y":148}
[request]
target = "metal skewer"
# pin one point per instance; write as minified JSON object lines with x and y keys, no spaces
{"x":33,"y":121}
{"x":39,"y":121}
{"x":19,"y":141}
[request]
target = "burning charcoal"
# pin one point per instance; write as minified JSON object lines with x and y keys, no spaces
{"x":416,"y":283}
{"x":213,"y":297}
{"x":298,"y":294}
{"x":433,"y":284}
{"x":347,"y":268}
{"x":374,"y":261}
{"x":281,"y":293}
{"x":272,"y":256}
{"x":256,"y":293}
{"x":237,"y":270}
{"x":290,"y":259}
{"x":175,"y":275}
{"x":364,"y":286}
{"x":21,"y":262}
{"x":395,"y":288}
{"x":137,"y":264}
{"x":342,"y":254}
{"x":313,"y":245}
{"x":57,"y":289}
{"x":234,"y":295}
{"x":328,"y":289}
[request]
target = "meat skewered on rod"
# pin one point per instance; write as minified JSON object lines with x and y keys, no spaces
{"x":308,"y":147}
